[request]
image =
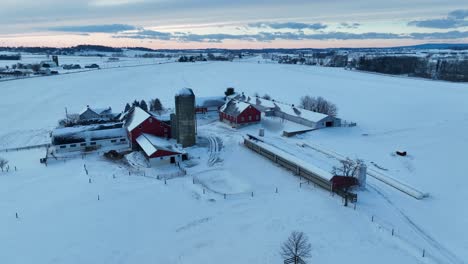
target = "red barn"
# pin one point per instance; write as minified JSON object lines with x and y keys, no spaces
{"x":138,"y":121}
{"x":238,"y":113}
{"x":343,"y":182}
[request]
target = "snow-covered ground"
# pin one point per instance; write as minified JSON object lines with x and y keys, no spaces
{"x":140,"y":219}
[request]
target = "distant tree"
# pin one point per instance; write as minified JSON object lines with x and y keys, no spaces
{"x":296,"y":247}
{"x":347,"y":167}
{"x":319,"y":105}
{"x":127,"y":107}
{"x":229,"y":91}
{"x":266,"y":97}
{"x":3,"y":163}
{"x":156,"y":105}
{"x":136,"y":103}
{"x":144,"y":105}
{"x":36,"y":67}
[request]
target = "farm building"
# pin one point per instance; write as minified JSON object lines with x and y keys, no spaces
{"x":204,"y":105}
{"x":159,"y":151}
{"x":137,"y":121}
{"x":318,"y":176}
{"x":290,"y":112}
{"x":89,"y":113}
{"x":238,"y":113}
{"x":184,"y":121}
{"x":89,"y":138}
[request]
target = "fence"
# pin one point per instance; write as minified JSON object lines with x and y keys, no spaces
{"x":25,"y":148}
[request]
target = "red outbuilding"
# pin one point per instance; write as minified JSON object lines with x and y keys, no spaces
{"x":138,"y":121}
{"x":238,"y":113}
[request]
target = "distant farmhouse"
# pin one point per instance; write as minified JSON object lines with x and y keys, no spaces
{"x":89,"y":113}
{"x":238,"y":113}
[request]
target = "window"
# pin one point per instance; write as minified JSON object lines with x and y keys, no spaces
{"x":140,"y":127}
{"x":73,"y":146}
{"x":93,"y":143}
{"x":165,"y":129}
{"x":123,"y":140}
{"x":62,"y":147}
{"x":83,"y":144}
{"x":242,"y":119}
{"x":113,"y":140}
{"x":250,"y":118}
{"x":151,"y":120}
{"x":257,"y":118}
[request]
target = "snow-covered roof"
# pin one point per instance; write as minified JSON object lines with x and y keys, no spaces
{"x":151,"y":144}
{"x":294,"y":159}
{"x":302,"y":113}
{"x":234,"y":107}
{"x":209,"y":101}
{"x":98,"y":111}
{"x":135,"y":117}
{"x":185,"y":92}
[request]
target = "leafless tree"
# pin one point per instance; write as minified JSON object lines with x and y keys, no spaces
{"x":3,"y":163}
{"x":297,"y":246}
{"x":318,"y":104}
{"x":347,"y":167}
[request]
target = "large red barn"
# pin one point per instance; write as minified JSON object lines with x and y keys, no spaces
{"x":238,"y":113}
{"x":138,"y":121}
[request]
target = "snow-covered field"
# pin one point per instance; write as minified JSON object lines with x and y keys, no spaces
{"x":141,"y":220}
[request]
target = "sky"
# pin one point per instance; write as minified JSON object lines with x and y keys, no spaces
{"x":175,"y":24}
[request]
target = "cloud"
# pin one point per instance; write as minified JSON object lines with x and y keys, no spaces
{"x":112,"y":28}
{"x":288,"y":25}
{"x":349,"y":25}
{"x":455,"y":19}
{"x":271,"y":36}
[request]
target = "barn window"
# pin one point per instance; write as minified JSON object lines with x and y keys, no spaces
{"x":151,"y":120}
{"x":140,"y":127}
{"x":123,"y":140}
{"x":83,"y":144}
{"x":257,"y":117}
{"x":113,"y":140}
{"x":72,"y":145}
{"x":62,"y":147}
{"x":242,"y":119}
{"x":93,"y":143}
{"x":165,"y":129}
{"x":250,"y":118}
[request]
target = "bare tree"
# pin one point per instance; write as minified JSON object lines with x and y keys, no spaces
{"x":3,"y":163}
{"x":266,"y":97}
{"x":296,"y":247}
{"x":347,"y":168}
{"x":318,"y":104}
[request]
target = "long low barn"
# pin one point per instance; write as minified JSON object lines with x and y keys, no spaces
{"x":300,"y":167}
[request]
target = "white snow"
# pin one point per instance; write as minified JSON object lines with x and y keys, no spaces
{"x":141,"y":220}
{"x":138,"y":117}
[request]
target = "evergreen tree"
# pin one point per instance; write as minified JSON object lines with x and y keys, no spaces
{"x":143,"y":105}
{"x":127,"y":107}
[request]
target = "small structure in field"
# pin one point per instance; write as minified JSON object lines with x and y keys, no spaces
{"x":159,"y":151}
{"x":204,"y":105}
{"x":238,"y":113}
{"x":89,"y":113}
{"x":137,"y":121}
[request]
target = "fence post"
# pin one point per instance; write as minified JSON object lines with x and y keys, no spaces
{"x":165,"y":181}
{"x":16,"y":215}
{"x":393,"y":231}
{"x":89,"y":180}
{"x":276,"y":189}
{"x":424,"y":253}
{"x":225,"y":196}
{"x":252,"y":194}
{"x":203,"y":190}
{"x":98,"y":198}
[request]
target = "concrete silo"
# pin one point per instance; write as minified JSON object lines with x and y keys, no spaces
{"x":185,"y":119}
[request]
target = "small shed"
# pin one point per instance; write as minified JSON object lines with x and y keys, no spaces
{"x":160,"y":151}
{"x":238,"y":113}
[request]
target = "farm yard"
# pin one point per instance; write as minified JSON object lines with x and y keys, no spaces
{"x":234,"y":205}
